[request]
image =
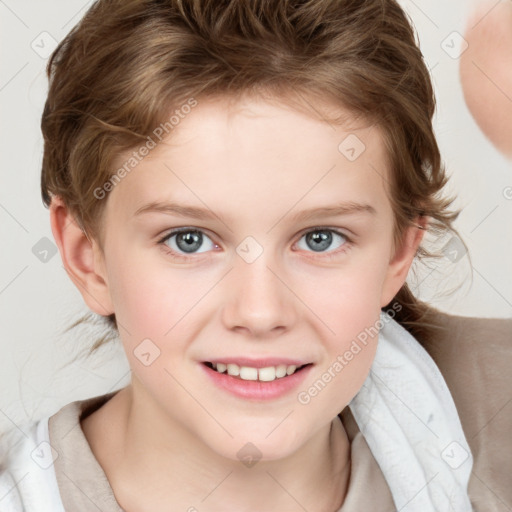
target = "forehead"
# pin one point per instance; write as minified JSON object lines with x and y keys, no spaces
{"x":253,"y":150}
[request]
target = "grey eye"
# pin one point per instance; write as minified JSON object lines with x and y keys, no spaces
{"x":187,"y":241}
{"x":321,"y":239}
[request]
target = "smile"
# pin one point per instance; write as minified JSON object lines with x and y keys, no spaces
{"x":266,"y":374}
{"x":258,"y":384}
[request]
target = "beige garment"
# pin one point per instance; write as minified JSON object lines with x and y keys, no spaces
{"x":83,"y":483}
{"x":475,"y":357}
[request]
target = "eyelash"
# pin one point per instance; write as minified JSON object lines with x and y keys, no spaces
{"x":323,"y":255}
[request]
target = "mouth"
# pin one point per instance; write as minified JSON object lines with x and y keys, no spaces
{"x":248,"y":373}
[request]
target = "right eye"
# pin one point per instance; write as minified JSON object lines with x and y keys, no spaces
{"x":185,"y":241}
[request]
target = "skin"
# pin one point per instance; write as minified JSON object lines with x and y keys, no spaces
{"x":486,"y":71}
{"x":170,"y":438}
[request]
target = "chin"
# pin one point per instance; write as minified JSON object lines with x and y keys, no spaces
{"x":250,"y":449}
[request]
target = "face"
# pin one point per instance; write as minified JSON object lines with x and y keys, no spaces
{"x":250,"y":274}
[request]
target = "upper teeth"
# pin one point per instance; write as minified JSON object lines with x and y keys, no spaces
{"x":247,"y":373}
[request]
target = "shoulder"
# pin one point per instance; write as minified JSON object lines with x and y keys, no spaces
{"x":27,"y":478}
{"x":475,"y":357}
{"x":32,"y":459}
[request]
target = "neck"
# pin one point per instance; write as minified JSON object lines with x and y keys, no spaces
{"x":157,"y":465}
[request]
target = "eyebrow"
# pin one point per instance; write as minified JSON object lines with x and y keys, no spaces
{"x":195,"y":212}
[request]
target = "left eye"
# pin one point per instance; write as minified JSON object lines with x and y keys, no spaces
{"x":321,"y":239}
{"x":188,"y":241}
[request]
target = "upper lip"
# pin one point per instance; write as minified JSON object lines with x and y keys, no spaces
{"x":258,"y":363}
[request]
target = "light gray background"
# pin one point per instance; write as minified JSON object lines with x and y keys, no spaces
{"x":38,"y":300}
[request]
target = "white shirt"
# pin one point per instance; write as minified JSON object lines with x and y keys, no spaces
{"x":29,"y":484}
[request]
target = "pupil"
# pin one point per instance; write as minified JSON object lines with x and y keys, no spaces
{"x":322,"y":240}
{"x":186,"y":241}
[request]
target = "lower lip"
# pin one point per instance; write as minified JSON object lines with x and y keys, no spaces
{"x":255,"y":389}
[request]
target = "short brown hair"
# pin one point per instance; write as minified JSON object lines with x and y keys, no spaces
{"x":128,"y":63}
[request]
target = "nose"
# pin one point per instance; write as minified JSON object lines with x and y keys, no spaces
{"x":258,"y":298}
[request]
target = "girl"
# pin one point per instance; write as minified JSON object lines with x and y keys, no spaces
{"x":240,"y":190}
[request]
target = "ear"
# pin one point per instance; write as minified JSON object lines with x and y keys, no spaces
{"x":83,"y":260}
{"x":401,"y":262}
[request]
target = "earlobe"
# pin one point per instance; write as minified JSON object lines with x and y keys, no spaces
{"x":401,"y":262}
{"x":82,"y":258}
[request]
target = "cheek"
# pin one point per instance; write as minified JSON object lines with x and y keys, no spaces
{"x":350,"y":352}
{"x":154,"y":306}
{"x":348,"y":304}
{"x":150,"y":298}
{"x":349,"y":296}
{"x":352,"y":348}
